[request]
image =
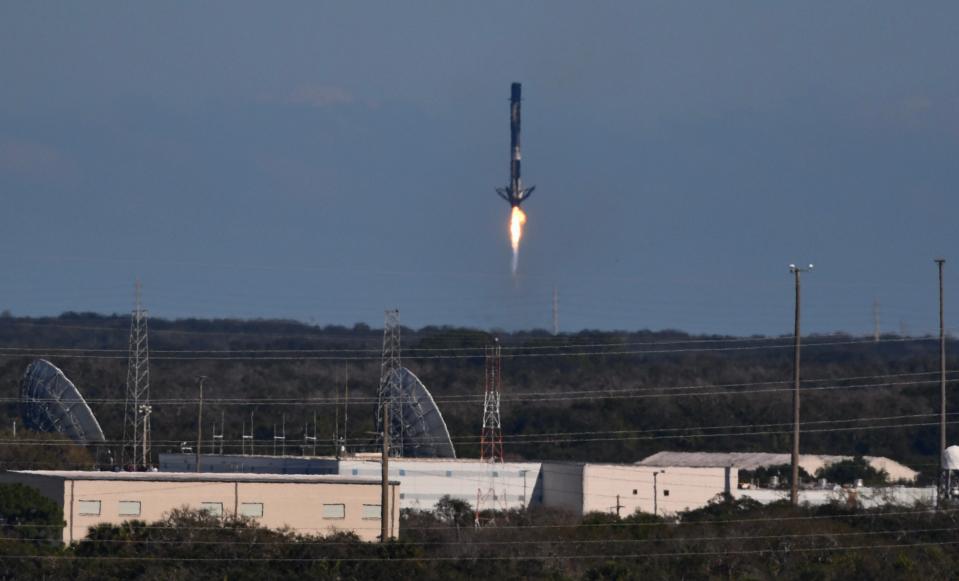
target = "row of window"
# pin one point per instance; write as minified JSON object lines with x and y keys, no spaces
{"x":252,"y":509}
{"x":133,"y":507}
{"x":665,"y":492}
{"x":338,"y":511}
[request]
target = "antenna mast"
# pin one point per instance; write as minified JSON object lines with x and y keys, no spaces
{"x":136,"y":418}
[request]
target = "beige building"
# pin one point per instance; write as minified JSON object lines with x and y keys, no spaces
{"x":623,"y":489}
{"x":308,"y":504}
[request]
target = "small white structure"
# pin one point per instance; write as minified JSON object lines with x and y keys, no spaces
{"x":811,"y":463}
{"x":863,"y":496}
{"x":950,"y":458}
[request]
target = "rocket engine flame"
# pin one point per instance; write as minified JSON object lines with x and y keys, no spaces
{"x":516,"y":222}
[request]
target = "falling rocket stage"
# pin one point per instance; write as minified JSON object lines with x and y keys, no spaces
{"x":515,"y":193}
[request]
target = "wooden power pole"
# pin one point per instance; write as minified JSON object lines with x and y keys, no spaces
{"x":385,"y":500}
{"x":794,"y":484}
{"x":943,"y":493}
{"x":199,"y":423}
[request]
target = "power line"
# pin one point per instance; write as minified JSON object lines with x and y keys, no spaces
{"x":253,"y":543}
{"x":538,"y":397}
{"x":460,"y":558}
{"x":546,"y":439}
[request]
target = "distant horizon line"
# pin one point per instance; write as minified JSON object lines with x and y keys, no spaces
{"x":7,"y":315}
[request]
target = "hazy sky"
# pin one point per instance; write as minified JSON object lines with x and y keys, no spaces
{"x":324,"y":161}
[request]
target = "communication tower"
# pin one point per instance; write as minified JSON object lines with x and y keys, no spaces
{"x":491,"y":438}
{"x":391,"y":389}
{"x":136,"y":417}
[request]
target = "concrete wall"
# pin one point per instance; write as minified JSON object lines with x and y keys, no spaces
{"x":563,"y":486}
{"x":230,"y":463}
{"x":574,"y":486}
{"x":425,"y":481}
{"x":653,"y":490}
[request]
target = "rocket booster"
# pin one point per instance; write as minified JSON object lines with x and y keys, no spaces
{"x":514,"y":193}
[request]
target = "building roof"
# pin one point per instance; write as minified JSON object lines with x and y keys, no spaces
{"x":373,"y":457}
{"x":753,"y":460}
{"x":199,"y":477}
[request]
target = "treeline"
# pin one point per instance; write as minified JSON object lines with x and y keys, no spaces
{"x":726,"y":540}
{"x":601,"y":396}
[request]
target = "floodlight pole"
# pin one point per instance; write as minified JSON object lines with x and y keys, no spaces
{"x":199,"y":423}
{"x":794,"y":484}
{"x":943,"y":492}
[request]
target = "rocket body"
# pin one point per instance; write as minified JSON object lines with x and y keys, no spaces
{"x":514,"y":193}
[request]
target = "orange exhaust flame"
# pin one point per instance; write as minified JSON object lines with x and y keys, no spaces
{"x":516,"y":222}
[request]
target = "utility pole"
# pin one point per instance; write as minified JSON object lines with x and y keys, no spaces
{"x":555,"y":311}
{"x":199,"y":423}
{"x":656,"y":491}
{"x":245,"y":437}
{"x":346,"y":408}
{"x":385,"y":499}
{"x":875,"y":320}
{"x":942,"y":386}
{"x":794,"y":484}
{"x":146,"y":410}
{"x":618,"y":507}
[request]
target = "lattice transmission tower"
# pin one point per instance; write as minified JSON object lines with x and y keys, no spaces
{"x":136,"y":413}
{"x":491,"y":438}
{"x":390,"y":391}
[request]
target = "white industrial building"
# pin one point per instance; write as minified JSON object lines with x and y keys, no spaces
{"x":574,"y":486}
{"x":811,"y":463}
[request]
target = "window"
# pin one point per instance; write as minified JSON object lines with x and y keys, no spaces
{"x":356,"y":472}
{"x":402,"y":472}
{"x":334,"y":511}
{"x":495,"y":474}
{"x":214,"y":508}
{"x":254,"y":509}
{"x":89,"y":507}
{"x":372,"y":511}
{"x":449,"y":473}
{"x":635,"y":492}
{"x":665,"y":493}
{"x":402,"y":495}
{"x":129,"y":508}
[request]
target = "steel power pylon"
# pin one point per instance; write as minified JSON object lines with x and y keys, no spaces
{"x":390,"y":391}
{"x":491,"y":438}
{"x":136,"y":416}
